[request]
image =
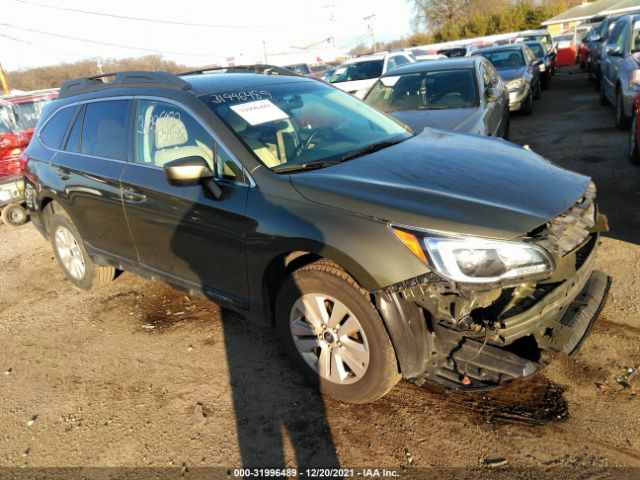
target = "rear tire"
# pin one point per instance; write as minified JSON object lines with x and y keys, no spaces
{"x":14,"y":215}
{"x":69,"y":250}
{"x":325,"y":347}
{"x":634,"y":151}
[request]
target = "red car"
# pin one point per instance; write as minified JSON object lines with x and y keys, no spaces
{"x":12,"y":142}
{"x":634,"y":135}
{"x":28,"y":106}
{"x":566,"y":46}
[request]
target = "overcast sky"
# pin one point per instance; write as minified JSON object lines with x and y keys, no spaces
{"x":279,"y":23}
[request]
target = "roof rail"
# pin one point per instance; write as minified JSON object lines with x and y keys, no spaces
{"x":264,"y":69}
{"x":122,"y":79}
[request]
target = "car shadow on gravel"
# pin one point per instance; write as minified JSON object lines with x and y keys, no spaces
{"x":281,"y":421}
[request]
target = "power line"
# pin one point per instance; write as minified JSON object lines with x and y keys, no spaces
{"x":153,"y":20}
{"x":117,"y":45}
{"x":27,"y":42}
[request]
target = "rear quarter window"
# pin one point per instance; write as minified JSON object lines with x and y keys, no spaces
{"x":53,"y":131}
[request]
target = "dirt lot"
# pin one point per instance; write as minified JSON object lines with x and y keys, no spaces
{"x":140,"y":375}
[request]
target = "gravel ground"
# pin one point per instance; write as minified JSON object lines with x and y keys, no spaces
{"x":140,"y":375}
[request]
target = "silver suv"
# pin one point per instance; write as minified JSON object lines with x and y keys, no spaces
{"x":620,"y":68}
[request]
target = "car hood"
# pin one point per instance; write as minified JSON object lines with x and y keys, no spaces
{"x":512,"y":73}
{"x":467,"y":120}
{"x":448,"y":182}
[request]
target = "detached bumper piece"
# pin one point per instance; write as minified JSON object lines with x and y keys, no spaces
{"x":461,"y":362}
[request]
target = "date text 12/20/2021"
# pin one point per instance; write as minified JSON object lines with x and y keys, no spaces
{"x":313,"y":473}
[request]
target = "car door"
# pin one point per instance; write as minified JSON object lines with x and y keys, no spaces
{"x":534,"y":70}
{"x":88,"y":166}
{"x":609,"y":63}
{"x":183,"y":232}
{"x":499,"y":107}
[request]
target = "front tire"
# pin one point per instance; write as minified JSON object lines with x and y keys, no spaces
{"x":527,"y":109}
{"x":538,"y":93}
{"x":334,"y":334}
{"x":622,"y":121}
{"x":69,"y":250}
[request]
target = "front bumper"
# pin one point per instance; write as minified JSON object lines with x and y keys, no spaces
{"x":475,"y":337}
{"x":466,"y":363}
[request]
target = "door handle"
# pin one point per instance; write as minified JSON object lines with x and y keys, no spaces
{"x":132,"y":196}
{"x":64,"y":173}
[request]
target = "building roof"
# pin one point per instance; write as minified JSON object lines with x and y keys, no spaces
{"x":585,"y":11}
{"x":622,"y":7}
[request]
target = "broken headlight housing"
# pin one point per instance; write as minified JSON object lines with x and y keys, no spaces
{"x":478,"y":260}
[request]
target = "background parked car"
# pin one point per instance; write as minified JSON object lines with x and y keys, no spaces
{"x":584,"y":50}
{"x":464,"y":94}
{"x":548,"y":59}
{"x":28,"y":107}
{"x":519,"y":68}
{"x":565,"y":45}
{"x":543,"y":36}
{"x":620,"y":68}
{"x":596,"y":44}
{"x":12,"y":142}
{"x":357,"y":76}
{"x":301,"y":69}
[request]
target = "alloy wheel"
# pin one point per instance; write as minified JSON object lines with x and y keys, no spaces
{"x":69,"y":252}
{"x":330,"y":338}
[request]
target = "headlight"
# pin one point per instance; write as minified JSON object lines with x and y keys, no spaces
{"x":478,"y":260}
{"x":542,"y":67}
{"x":516,"y":84}
{"x":634,"y":79}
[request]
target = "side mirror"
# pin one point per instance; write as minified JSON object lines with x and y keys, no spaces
{"x":596,"y":38}
{"x":614,"y":50}
{"x":191,"y":171}
{"x":493,"y":93}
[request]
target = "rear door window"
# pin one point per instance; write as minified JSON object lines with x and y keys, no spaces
{"x":104,"y":133}
{"x":54,"y":130}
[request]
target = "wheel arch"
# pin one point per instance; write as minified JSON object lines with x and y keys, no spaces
{"x":284,"y":263}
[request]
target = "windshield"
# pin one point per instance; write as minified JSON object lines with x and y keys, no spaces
{"x":297,"y":123}
{"x":7,"y":121}
{"x":357,"y":71}
{"x":300,"y":68}
{"x":439,"y":89}
{"x":537,"y":49}
{"x":28,"y":112}
{"x":505,"y":59}
{"x":635,"y":37}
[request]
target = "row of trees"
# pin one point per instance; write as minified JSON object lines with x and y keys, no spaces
{"x":455,"y":19}
{"x":445,"y":20}
{"x":55,"y":75}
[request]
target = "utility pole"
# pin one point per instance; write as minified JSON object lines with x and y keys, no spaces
{"x":264,"y":49}
{"x":3,"y":81}
{"x":369,"y":19}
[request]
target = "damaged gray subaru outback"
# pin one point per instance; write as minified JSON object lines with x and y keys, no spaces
{"x":378,"y":254}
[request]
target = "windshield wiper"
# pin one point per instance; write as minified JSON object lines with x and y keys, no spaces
{"x":297,"y":167}
{"x":372,"y":148}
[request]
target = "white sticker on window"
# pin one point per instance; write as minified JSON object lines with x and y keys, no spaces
{"x":390,"y":81}
{"x":261,"y":111}
{"x":340,"y":71}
